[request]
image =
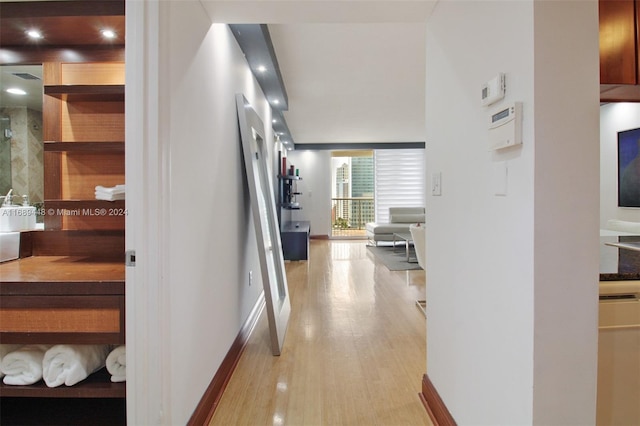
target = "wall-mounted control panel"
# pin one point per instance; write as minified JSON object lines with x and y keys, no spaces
{"x":505,"y":126}
{"x":493,"y":90}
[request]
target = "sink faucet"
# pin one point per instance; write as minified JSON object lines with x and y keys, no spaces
{"x":8,"y":199}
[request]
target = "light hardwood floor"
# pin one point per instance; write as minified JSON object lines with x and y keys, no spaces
{"x":354,"y":353}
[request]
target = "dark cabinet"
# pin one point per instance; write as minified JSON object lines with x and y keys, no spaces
{"x":295,"y":240}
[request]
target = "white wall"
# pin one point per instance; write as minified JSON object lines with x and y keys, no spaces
{"x":315,"y":169}
{"x":196,"y":303}
{"x":491,"y":270}
{"x":614,"y":117}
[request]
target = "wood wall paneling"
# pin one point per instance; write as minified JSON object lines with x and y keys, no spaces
{"x":101,"y":244}
{"x":27,"y":320}
{"x":93,"y":73}
{"x":618,"y":38}
{"x":82,"y":172}
{"x":92,"y":121}
{"x":93,"y":220}
{"x":637,"y":4}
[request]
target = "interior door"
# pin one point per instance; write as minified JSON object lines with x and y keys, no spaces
{"x":274,"y":279}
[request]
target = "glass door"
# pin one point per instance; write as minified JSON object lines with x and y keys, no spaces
{"x":352,"y":197}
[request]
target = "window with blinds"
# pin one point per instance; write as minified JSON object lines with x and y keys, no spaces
{"x":399,"y":180}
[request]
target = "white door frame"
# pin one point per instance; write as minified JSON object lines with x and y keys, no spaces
{"x":147,"y":223}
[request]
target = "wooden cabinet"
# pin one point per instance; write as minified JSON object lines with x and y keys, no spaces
{"x":619,"y":50}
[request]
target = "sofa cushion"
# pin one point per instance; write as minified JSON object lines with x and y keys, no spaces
{"x":406,"y":218}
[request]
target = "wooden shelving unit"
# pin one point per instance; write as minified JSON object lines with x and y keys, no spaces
{"x":74,"y":270}
{"x":68,"y":287}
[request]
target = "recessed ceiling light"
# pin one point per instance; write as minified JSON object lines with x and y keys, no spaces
{"x":34,"y":34}
{"x":16,"y":91}
{"x":106,"y":33}
{"x":276,"y":101}
{"x":262,"y":68}
{"x":274,"y":121}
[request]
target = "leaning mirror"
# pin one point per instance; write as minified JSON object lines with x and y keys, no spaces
{"x":274,"y":279}
{"x":21,"y":144}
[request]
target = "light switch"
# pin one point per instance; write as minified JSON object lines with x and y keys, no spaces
{"x":436,"y":183}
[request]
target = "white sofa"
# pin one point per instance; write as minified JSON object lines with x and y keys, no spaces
{"x":400,"y":219}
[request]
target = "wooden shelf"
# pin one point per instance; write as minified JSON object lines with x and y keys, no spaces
{"x":97,"y":385}
{"x":88,"y":92}
{"x":80,"y":204}
{"x":102,"y":147}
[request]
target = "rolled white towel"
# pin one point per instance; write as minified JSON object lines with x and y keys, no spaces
{"x":24,"y":365}
{"x":117,"y":364}
{"x":5,"y":348}
{"x":70,"y":364}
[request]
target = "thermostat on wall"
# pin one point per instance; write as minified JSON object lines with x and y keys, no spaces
{"x":493,"y":90}
{"x":505,"y":126}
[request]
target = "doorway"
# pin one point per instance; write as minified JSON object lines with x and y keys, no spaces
{"x":352,"y":193}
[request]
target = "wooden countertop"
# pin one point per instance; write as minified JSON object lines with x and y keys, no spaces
{"x":62,"y":275}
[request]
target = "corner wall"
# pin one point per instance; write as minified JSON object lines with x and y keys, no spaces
{"x":490,"y":268}
{"x":614,"y":117}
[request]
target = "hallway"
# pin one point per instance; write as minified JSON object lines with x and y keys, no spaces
{"x":354,"y":353}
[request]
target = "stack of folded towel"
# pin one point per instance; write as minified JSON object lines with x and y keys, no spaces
{"x":117,"y":364}
{"x":110,"y":193}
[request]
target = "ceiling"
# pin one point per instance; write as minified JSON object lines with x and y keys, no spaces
{"x":350,"y":83}
{"x":353,"y":70}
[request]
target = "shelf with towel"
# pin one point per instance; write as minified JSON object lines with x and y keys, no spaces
{"x":97,"y":385}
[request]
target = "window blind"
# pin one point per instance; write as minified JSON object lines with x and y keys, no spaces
{"x":399,"y":180}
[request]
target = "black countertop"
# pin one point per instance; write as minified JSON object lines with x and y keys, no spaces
{"x":619,"y":263}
